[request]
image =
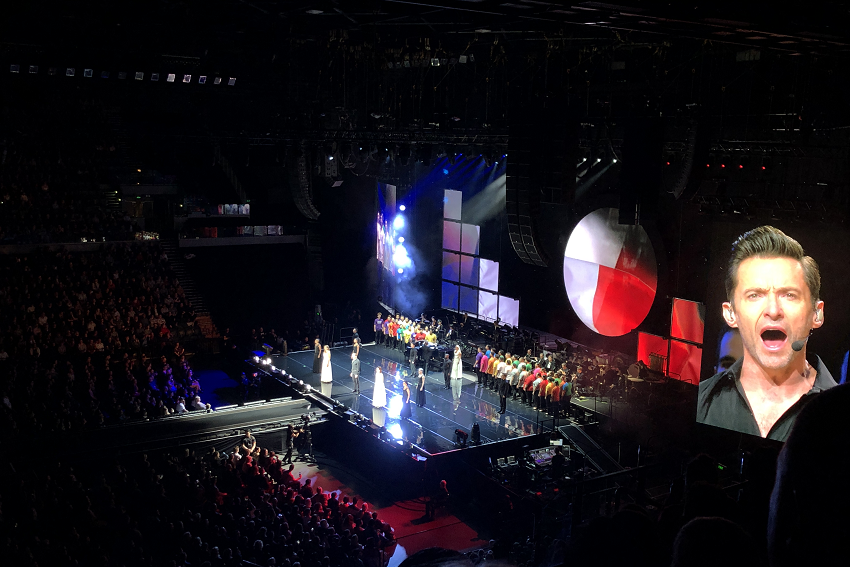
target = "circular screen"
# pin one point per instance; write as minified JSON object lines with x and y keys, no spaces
{"x":610,"y":273}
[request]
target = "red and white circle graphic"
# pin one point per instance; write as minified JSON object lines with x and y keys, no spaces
{"x":610,"y":273}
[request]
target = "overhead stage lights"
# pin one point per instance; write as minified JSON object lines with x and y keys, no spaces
{"x":402,"y":208}
{"x":140,"y":76}
{"x":154,"y":76}
{"x":70,"y":72}
{"x":88,"y":73}
{"x":231,"y":81}
{"x":170,"y":78}
{"x":217,"y":81}
{"x":398,"y":222}
{"x":187,"y":78}
{"x":202,"y":80}
{"x":33,"y":69}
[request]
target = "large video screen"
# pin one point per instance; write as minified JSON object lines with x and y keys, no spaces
{"x":765,"y":371}
{"x":386,"y":241}
{"x":610,"y":273}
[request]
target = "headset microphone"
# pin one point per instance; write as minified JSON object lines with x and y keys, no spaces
{"x":797,"y":346}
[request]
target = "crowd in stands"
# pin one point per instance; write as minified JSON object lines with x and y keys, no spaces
{"x":210,"y":510}
{"x":92,"y":338}
{"x":52,"y":172}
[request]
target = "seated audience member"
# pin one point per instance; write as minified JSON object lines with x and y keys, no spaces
{"x":809,"y":496}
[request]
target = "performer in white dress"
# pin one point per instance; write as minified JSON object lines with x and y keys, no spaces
{"x":457,"y":374}
{"x":379,"y":394}
{"x":327,"y":371}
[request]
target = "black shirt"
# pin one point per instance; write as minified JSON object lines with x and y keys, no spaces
{"x":722,"y":402}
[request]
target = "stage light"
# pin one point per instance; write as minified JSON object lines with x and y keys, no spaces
{"x":217,"y":81}
{"x":445,"y":171}
{"x":187,"y":78}
{"x":401,"y":239}
{"x":154,"y":76}
{"x":402,"y":208}
{"x":598,"y":160}
{"x":308,"y":387}
{"x":88,"y":73}
{"x":231,"y":81}
{"x":140,"y":75}
{"x":256,"y":359}
{"x":170,"y":78}
{"x":274,"y":368}
{"x":398,"y":222}
{"x":400,"y":270}
{"x":202,"y":79}
{"x":14,"y":68}
{"x":395,"y":431}
{"x":69,"y":72}
{"x":614,"y":160}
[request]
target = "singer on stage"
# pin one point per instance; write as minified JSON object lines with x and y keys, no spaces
{"x":773,"y":298}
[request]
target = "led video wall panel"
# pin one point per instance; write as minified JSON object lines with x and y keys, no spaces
{"x":687,"y":321}
{"x":451,"y":266}
{"x":651,"y":344}
{"x":488,"y":271}
{"x":450,"y":292}
{"x":452,"y":201}
{"x":488,"y":305}
{"x":509,"y":310}
{"x":470,"y":234}
{"x":468,"y":270}
{"x":685,"y":360}
{"x":469,"y":300}
{"x":451,"y":235}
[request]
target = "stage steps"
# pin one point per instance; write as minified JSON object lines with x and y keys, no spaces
{"x":595,"y":454}
{"x":203,"y":319}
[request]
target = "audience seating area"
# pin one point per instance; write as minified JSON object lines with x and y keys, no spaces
{"x":92,"y":338}
{"x":186,"y":509}
{"x":55,"y":174}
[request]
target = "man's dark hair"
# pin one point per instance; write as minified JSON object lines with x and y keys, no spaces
{"x":770,"y":242}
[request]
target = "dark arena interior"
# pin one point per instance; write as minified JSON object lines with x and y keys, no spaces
{"x":314,"y":283}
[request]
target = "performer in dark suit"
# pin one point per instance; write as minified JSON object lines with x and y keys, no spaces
{"x":504,"y":388}
{"x":355,"y":371}
{"x":447,"y":371}
{"x":317,"y":357}
{"x":411,"y":356}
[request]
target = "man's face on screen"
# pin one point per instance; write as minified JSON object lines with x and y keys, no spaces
{"x":772,"y":309}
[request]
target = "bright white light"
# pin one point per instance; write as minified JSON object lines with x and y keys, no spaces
{"x":401,"y":259}
{"x":330,"y":158}
{"x":583,"y":160}
{"x":615,"y":160}
{"x":308,"y":387}
{"x":395,"y":431}
{"x":274,"y":368}
{"x":402,"y":208}
{"x":401,"y":239}
{"x":398,"y":222}
{"x":400,"y":270}
{"x":268,"y":361}
{"x":394,"y":406}
{"x":598,"y":160}
{"x":256,"y":359}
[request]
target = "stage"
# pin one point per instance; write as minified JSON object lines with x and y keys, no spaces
{"x":432,"y":427}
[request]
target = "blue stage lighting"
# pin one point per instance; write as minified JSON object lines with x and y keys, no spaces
{"x":402,"y":207}
{"x":445,"y":171}
{"x":398,"y":222}
{"x":401,"y":239}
